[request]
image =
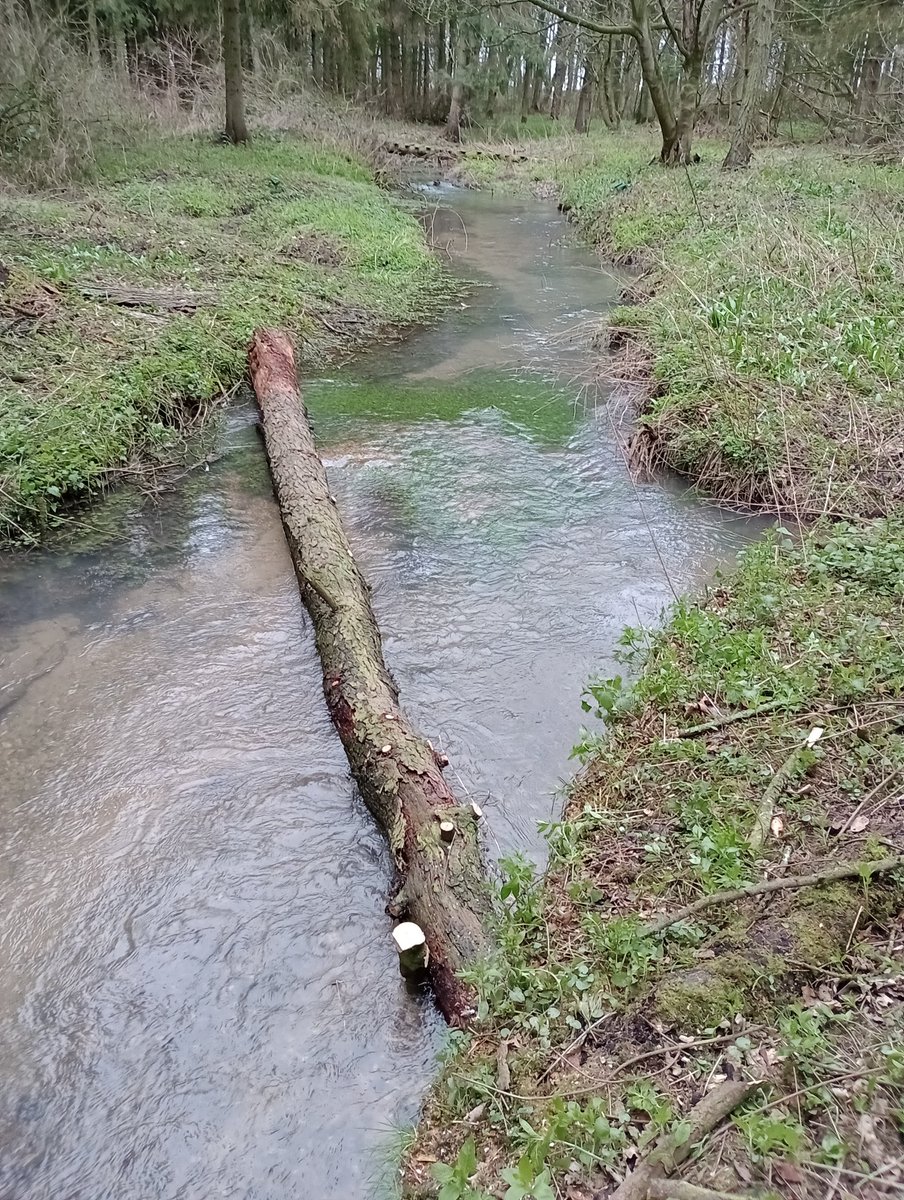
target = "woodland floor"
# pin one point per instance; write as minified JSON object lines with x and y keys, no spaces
{"x":762,"y":737}
{"x":127,"y":303}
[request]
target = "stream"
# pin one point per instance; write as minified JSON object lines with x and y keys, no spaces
{"x":198,"y":992}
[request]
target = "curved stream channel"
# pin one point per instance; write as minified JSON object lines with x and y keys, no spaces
{"x":199,"y":994}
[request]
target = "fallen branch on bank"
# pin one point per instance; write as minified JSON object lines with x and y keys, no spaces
{"x":129,"y":297}
{"x":777,"y":785}
{"x":745,"y":714}
{"x":831,"y":875}
{"x":649,"y":1178}
{"x":433,"y":838}
{"x":448,"y":150}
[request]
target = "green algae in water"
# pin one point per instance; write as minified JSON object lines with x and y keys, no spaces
{"x":544,"y":412}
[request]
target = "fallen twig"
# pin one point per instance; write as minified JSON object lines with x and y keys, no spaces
{"x":730,"y":718}
{"x":133,"y":297}
{"x":680,"y":1189}
{"x":649,"y":1176}
{"x":777,"y":785}
{"x":866,"y":870}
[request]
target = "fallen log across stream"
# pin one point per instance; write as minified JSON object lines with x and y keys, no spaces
{"x":434,"y":838}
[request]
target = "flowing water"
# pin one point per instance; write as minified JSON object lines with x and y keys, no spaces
{"x":198,"y":994}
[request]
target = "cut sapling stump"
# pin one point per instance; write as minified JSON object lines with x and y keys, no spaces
{"x":434,"y":841}
{"x":411,"y":944}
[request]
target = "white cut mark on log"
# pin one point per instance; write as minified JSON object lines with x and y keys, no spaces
{"x":447,"y":830}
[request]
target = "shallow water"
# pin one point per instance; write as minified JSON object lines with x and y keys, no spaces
{"x":198,"y":994}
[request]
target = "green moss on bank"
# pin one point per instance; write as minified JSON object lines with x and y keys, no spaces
{"x":281,"y":232}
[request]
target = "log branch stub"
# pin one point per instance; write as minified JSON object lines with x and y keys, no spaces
{"x":396,"y":769}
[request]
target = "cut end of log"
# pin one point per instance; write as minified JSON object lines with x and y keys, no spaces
{"x":447,"y":830}
{"x":411,"y":944}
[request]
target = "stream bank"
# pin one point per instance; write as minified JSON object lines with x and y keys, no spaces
{"x":769,"y":376}
{"x":127,"y":305}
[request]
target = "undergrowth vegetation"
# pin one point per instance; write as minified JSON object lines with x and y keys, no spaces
{"x":597,"y":1033}
{"x":769,"y":330}
{"x":127,"y":304}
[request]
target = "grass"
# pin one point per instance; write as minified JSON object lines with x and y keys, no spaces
{"x":798,"y":991}
{"x":764,"y":339}
{"x":282,"y":232}
{"x":771,"y":321}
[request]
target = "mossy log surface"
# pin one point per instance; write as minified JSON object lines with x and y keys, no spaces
{"x":442,"y":883}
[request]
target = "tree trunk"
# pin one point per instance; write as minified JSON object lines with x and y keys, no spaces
{"x":236,"y":130}
{"x":459,"y":63}
{"x":537,"y":91}
{"x":585,"y":100}
{"x":655,"y":84}
{"x":610,"y":106}
{"x":397,"y":771}
{"x":870,"y":80}
{"x":120,"y":52}
{"x":247,"y":39}
{"x":453,"y":120}
{"x":677,"y":148}
{"x":526,"y":84}
{"x":558,"y":79}
{"x":93,"y":43}
{"x":756,"y":62}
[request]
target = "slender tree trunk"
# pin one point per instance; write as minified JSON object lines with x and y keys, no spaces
{"x":236,"y":130}
{"x":459,"y":64}
{"x":780,"y":95}
{"x":585,"y":100}
{"x":756,"y":63}
{"x":389,"y":95}
{"x":93,"y":43}
{"x":247,"y":40}
{"x":869,"y":81}
{"x":558,"y":79}
{"x":172,"y":90}
{"x":453,"y":120}
{"x":655,"y":84}
{"x":526,"y":86}
{"x":441,"y":55}
{"x":395,"y":67}
{"x":610,"y":106}
{"x":315,"y":59}
{"x":537,"y":91}
{"x":120,"y":52}
{"x":678,"y":149}
{"x":433,"y":837}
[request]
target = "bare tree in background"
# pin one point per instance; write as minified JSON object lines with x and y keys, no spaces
{"x":755,"y":69}
{"x":236,"y":129}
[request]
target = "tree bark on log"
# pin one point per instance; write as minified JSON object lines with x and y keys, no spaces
{"x":443,"y":886}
